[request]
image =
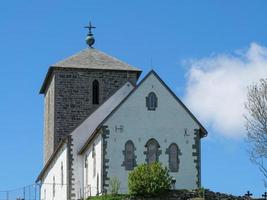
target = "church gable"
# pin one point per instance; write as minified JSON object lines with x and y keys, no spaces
{"x":159,"y":128}
{"x":152,"y":94}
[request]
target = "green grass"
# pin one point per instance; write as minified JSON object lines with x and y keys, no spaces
{"x":109,"y":197}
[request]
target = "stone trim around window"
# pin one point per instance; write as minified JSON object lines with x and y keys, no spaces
{"x":158,"y":153}
{"x":179,"y":153}
{"x":151,"y":101}
{"x":124,"y":163}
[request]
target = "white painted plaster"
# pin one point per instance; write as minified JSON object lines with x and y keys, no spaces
{"x":93,"y":187}
{"x":166,"y":124}
{"x":54,"y":170}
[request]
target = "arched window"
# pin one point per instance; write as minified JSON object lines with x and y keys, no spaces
{"x":62,"y":174}
{"x":95,"y":92}
{"x":152,"y":151}
{"x":151,"y":101}
{"x":174,"y":153}
{"x":54,"y":186}
{"x":94,"y":160}
{"x":129,"y":157}
{"x":86,"y":170}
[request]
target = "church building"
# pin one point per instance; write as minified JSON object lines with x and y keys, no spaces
{"x":101,"y":121}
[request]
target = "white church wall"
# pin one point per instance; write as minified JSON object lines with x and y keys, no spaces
{"x":166,"y":124}
{"x":54,"y":182}
{"x":83,"y":132}
{"x":93,"y":177}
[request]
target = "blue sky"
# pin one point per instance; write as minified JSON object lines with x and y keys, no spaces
{"x":187,"y":42}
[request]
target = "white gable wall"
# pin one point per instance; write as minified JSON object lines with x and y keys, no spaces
{"x":166,"y":124}
{"x":55,"y":171}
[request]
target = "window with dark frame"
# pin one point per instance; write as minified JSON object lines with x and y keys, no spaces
{"x":129,"y":157}
{"x":94,"y":160}
{"x":152,"y":151}
{"x":173,"y":157}
{"x":62,"y":174}
{"x":54,"y":186}
{"x":86,"y":170}
{"x":151,"y":101}
{"x":95,"y":92}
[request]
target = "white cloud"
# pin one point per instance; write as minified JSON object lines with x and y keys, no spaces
{"x":216,"y":87}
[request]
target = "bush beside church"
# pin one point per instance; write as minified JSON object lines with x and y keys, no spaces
{"x":149,"y":180}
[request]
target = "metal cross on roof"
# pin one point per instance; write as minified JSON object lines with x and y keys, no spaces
{"x":264,"y":195}
{"x":248,"y":194}
{"x":90,"y":27}
{"x":90,"y":40}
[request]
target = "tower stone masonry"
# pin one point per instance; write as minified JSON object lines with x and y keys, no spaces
{"x":68,"y":91}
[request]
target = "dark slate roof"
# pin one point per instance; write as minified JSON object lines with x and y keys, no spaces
{"x":90,"y":58}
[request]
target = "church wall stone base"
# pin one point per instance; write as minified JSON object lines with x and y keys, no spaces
{"x":194,"y":195}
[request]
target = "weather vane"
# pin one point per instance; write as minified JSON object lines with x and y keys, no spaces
{"x":90,"y":40}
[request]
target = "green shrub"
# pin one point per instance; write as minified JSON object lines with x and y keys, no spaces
{"x":114,"y":186}
{"x":149,"y":180}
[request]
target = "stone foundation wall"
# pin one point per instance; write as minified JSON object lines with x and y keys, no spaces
{"x":193,"y":195}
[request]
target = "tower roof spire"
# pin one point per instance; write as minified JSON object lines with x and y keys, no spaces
{"x":90,"y":40}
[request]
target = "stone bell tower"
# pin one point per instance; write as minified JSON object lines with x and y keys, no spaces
{"x":74,"y":87}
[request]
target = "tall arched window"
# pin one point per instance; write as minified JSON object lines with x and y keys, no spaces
{"x":129,"y":157}
{"x":152,"y":151}
{"x":62,"y":174}
{"x":86,"y":170}
{"x":54,"y":186}
{"x":95,"y":92}
{"x":94,"y":160}
{"x":151,"y":101}
{"x":174,"y":153}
